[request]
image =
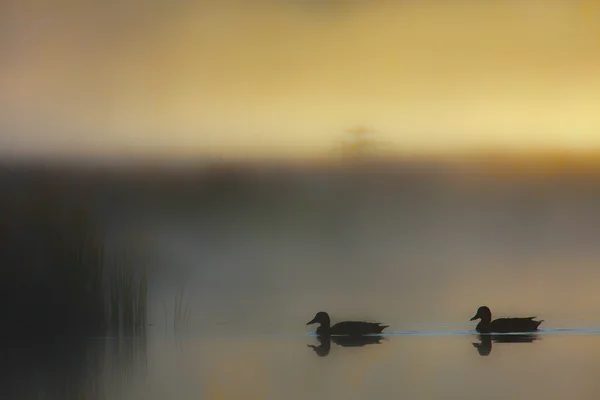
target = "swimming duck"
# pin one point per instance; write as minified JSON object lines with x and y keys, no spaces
{"x":503,"y":325}
{"x":346,"y":328}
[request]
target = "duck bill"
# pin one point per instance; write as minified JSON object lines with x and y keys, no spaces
{"x":312,"y":321}
{"x":474,"y":318}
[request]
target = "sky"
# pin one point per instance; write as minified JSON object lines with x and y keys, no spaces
{"x":255,"y":78}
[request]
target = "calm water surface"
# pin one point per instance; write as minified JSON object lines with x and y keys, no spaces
{"x":441,"y":366}
{"x":557,"y":363}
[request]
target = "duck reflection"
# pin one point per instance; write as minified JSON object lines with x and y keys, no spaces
{"x":484,"y":347}
{"x":324,"y":346}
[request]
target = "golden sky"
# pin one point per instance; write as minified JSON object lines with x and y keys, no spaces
{"x":287,"y":77}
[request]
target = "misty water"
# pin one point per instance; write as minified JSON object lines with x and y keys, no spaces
{"x":419,"y":253}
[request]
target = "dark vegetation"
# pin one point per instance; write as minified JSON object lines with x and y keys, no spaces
{"x":56,"y":278}
{"x":59,"y":288}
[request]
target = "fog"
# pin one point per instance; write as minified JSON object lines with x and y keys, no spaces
{"x":421,"y":244}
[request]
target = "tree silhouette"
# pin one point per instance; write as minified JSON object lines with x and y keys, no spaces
{"x":360,"y":143}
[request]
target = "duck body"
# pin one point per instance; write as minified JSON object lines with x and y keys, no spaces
{"x":346,"y":328}
{"x":509,"y":325}
{"x":351,"y":328}
{"x":503,"y":325}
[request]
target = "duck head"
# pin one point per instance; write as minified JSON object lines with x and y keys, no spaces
{"x":321,"y":318}
{"x":483,"y":313}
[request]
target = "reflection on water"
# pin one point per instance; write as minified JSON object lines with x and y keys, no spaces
{"x":324,"y":346}
{"x":484,"y":347}
{"x":405,"y":366}
{"x":72,"y":369}
{"x":420,"y":365}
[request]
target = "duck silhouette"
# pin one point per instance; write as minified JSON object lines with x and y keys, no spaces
{"x":484,"y":347}
{"x":503,"y":325}
{"x":346,"y":328}
{"x":324,"y":346}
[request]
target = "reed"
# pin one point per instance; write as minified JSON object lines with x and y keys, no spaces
{"x":57,"y":279}
{"x":181,"y":314}
{"x":60,"y":285}
{"x":127,"y":298}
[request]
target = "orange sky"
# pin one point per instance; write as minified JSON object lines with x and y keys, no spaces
{"x":264,"y":77}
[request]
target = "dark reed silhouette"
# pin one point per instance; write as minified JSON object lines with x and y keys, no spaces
{"x":484,"y":347}
{"x":58,"y":288}
{"x":346,"y":328}
{"x":324,"y":346}
{"x":56,"y":278}
{"x":503,"y":325}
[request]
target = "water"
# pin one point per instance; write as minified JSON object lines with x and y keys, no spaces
{"x":419,"y":254}
{"x":555,"y":364}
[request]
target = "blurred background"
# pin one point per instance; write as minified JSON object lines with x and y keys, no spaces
{"x":228,"y":168}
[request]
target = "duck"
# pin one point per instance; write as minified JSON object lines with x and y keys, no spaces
{"x":503,"y":325}
{"x":346,"y":328}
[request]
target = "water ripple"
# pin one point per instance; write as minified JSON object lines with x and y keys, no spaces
{"x":543,"y":331}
